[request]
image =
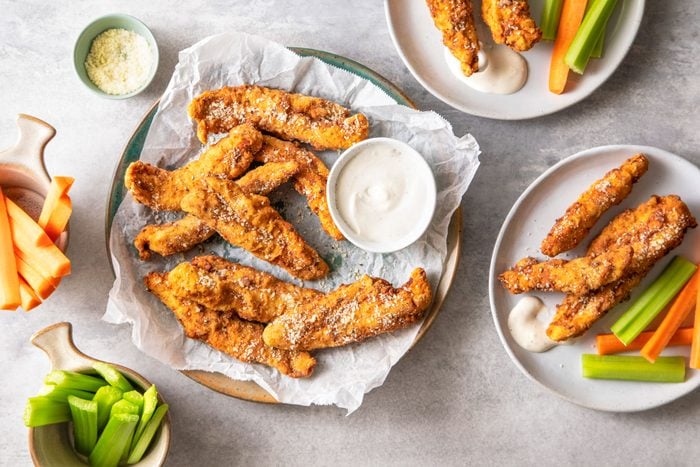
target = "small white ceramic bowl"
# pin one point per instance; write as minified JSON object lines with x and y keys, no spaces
{"x":422,"y":219}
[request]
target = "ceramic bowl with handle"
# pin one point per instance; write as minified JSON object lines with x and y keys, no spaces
{"x":51,"y":445}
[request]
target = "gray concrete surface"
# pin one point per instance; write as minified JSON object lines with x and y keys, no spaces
{"x":456,"y":398}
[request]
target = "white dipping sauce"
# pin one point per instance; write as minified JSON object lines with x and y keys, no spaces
{"x":527,"y":330}
{"x":381,"y":196}
{"x":502,"y":72}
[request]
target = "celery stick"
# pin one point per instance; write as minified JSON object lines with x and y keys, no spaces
{"x":146,"y":437}
{"x":113,"y":440}
{"x":84,"y":413}
{"x":150,"y":401}
{"x":550,"y":19}
{"x":591,"y":28}
{"x":135,"y":398}
{"x":113,"y":376}
{"x":42,"y":411}
{"x":653,"y":300}
{"x":72,"y":380}
{"x":61,"y":394}
{"x":597,"y":51}
{"x":124,"y":406}
{"x":105,"y":397}
{"x":633,"y":368}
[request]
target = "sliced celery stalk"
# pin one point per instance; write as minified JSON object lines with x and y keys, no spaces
{"x":84,"y":413}
{"x":150,"y":401}
{"x":113,"y":440}
{"x":653,"y":300}
{"x":633,"y":368}
{"x":61,"y":394}
{"x":597,"y":51}
{"x":41,"y":411}
{"x":105,"y":397}
{"x":143,"y":441}
{"x":135,"y":398}
{"x":113,"y":376}
{"x":124,"y":406}
{"x":592,"y":26}
{"x":72,"y":380}
{"x":550,"y":19}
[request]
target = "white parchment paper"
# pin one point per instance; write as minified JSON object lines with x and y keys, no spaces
{"x":342,"y":375}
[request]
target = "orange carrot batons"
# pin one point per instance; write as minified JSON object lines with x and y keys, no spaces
{"x":57,"y":207}
{"x":10,"y":297}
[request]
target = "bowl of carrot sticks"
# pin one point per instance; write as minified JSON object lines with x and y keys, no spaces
{"x":34,"y":213}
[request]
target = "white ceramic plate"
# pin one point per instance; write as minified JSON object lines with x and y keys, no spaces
{"x":527,"y":224}
{"x":419,"y":44}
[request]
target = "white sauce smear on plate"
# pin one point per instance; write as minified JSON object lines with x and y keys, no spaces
{"x":525,"y":327}
{"x":502,"y":72}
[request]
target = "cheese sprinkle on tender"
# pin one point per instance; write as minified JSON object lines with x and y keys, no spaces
{"x":119,"y":61}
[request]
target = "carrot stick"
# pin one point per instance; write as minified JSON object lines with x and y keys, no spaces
{"x":571,"y":16}
{"x":10,"y":297}
{"x":48,"y":260}
{"x":608,"y":344}
{"x":41,"y":285}
{"x":57,"y":207}
{"x":24,"y":226}
{"x":680,"y":309}
{"x":695,"y":349}
{"x":29,"y":298}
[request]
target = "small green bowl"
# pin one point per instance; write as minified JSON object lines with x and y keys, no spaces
{"x":115,"y":21}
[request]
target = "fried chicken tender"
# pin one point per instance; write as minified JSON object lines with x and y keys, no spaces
{"x":570,"y":229}
{"x":309,"y":182}
{"x":222,"y":285}
{"x":226,"y":332}
{"x":184,"y":234}
{"x":510,"y":23}
{"x":321,"y":123}
{"x":652,"y":230}
{"x":351,"y":313}
{"x":248,"y":221}
{"x":578,"y":276}
{"x":162,"y":190}
{"x":455,"y":20}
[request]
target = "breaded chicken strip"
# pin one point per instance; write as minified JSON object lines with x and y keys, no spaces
{"x":455,"y":20}
{"x":295,"y":117}
{"x":309,"y":182}
{"x":226,"y":332}
{"x":570,"y":229}
{"x":510,"y":23}
{"x":222,"y":285}
{"x":248,"y":221}
{"x":652,"y":230}
{"x":578,"y":276}
{"x":162,"y":189}
{"x":184,"y":234}
{"x":351,"y":313}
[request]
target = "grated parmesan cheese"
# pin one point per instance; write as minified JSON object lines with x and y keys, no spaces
{"x":119,"y":61}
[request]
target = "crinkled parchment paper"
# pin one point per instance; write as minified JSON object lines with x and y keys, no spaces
{"x":342,"y":375}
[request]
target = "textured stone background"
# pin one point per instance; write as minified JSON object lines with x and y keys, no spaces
{"x":456,"y":398}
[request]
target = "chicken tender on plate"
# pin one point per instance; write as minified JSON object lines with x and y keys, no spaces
{"x":570,"y":229}
{"x":351,"y":313}
{"x":162,"y":190}
{"x":510,"y":23}
{"x":248,"y":221}
{"x":455,"y":20}
{"x":295,"y":117}
{"x":226,"y":332}
{"x":222,"y":285}
{"x":578,"y":276}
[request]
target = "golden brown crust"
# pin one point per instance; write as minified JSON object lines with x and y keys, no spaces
{"x":248,"y":221}
{"x":455,"y":20}
{"x":652,"y":230}
{"x":295,"y":117}
{"x":351,"y":313}
{"x":310,"y":181}
{"x":510,"y":23}
{"x":226,"y":332}
{"x":570,"y":229}
{"x":161,"y":189}
{"x":221,"y":285}
{"x":578,"y":276}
